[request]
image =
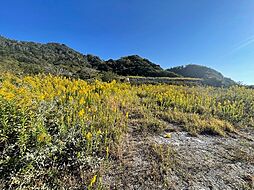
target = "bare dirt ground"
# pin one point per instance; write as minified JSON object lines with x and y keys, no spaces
{"x":151,"y":161}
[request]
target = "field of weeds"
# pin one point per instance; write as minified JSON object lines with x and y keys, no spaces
{"x":58,"y":133}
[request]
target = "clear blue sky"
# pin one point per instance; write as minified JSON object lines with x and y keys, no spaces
{"x":215,"y":33}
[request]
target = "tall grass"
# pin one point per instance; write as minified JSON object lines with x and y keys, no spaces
{"x":57,"y":132}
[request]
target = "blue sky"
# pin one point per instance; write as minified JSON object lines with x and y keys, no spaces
{"x":215,"y":33}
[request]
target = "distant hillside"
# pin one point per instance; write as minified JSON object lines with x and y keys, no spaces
{"x":55,"y":58}
{"x":210,"y":76}
{"x":133,"y":65}
{"x":59,"y":59}
{"x":52,"y":58}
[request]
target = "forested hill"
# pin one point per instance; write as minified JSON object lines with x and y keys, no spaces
{"x":133,"y":65}
{"x":211,"y":76}
{"x":56,"y":58}
{"x":33,"y":58}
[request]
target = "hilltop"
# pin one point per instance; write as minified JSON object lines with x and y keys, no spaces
{"x":59,"y":59}
{"x":132,"y":65}
{"x":34,"y":58}
{"x":210,"y":76}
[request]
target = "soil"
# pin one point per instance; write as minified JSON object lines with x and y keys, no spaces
{"x":201,"y":162}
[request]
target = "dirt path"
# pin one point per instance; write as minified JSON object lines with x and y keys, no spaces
{"x":136,"y":168}
{"x":209,"y":162}
{"x":202,"y":162}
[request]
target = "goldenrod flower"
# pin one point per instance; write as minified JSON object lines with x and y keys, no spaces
{"x":107,"y":152}
{"x":167,"y":135}
{"x":41,"y":137}
{"x":93,"y":180}
{"x":81,"y":101}
{"x":81,"y":113}
{"x":89,"y":136}
{"x":99,"y":132}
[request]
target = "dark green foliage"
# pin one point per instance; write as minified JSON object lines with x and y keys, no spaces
{"x":210,"y":76}
{"x":58,"y":59}
{"x":108,"y":76}
{"x":131,"y":65}
{"x":196,"y":71}
{"x":36,"y":53}
{"x":54,"y":58}
{"x":97,"y":63}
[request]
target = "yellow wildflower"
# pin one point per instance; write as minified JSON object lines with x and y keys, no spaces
{"x":167,"y":135}
{"x":81,"y":101}
{"x":99,"y":132}
{"x":41,"y":137}
{"x":89,"y":136}
{"x":70,"y":98}
{"x":93,"y":180}
{"x":107,"y":151}
{"x":81,"y":113}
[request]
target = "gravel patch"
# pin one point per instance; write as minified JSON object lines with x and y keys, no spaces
{"x":210,"y":162}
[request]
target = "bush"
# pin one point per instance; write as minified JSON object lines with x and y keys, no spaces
{"x":108,"y":76}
